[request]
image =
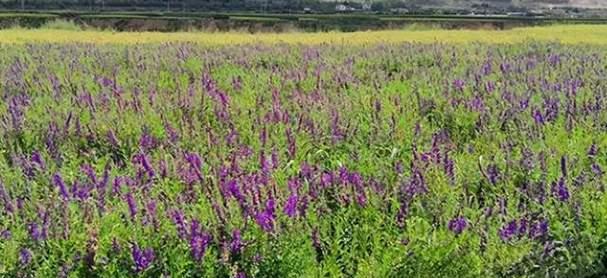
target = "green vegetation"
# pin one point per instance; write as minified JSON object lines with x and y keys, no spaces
{"x":158,"y":21}
{"x":260,"y":160}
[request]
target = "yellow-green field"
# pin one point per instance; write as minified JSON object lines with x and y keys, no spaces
{"x":591,"y":34}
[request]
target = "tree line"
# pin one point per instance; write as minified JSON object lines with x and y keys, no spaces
{"x":196,"y":5}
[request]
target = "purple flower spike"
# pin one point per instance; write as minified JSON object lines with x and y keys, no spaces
{"x":199,"y":241}
{"x":179,"y":221}
{"x":593,"y":150}
{"x":35,"y":232}
{"x":290,"y":208}
{"x":458,"y":84}
{"x":25,"y":256}
{"x":560,"y":190}
{"x":58,"y":181}
{"x":199,"y":244}
{"x":236,"y":245}
{"x":37,"y":158}
{"x":508,"y":231}
{"x":132,"y":204}
{"x":6,"y":234}
{"x":493,"y":174}
{"x":458,"y":225}
{"x":142,"y":258}
{"x":596,"y":169}
{"x":265,"y":221}
{"x":538,"y":229}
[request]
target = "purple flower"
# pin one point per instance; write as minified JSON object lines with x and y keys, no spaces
{"x":25,"y":256}
{"x":294,"y":184}
{"x":486,"y":68}
{"x":236,"y":245}
{"x":522,"y":226}
{"x":58,"y":181}
{"x":142,"y":258}
{"x":290,"y":208}
{"x":147,"y":166}
{"x":593,"y":150}
{"x":305,"y":171}
{"x":105,"y":179}
{"x":489,"y":87}
{"x":171,"y":132}
{"x":6,"y":199}
{"x":274,"y":157}
{"x":199,"y":241}
{"x":64,"y":271}
{"x":265,"y":221}
{"x":538,"y":229}
{"x":263,"y":136}
{"x":151,"y":213}
{"x":449,"y":167}
{"x":35,"y":232}
{"x":399,"y":168}
{"x":596,"y":169}
{"x":105,"y":82}
{"x":270,"y":207}
{"x":235,"y":191}
{"x":458,"y":84}
{"x":505,"y":67}
{"x":554,"y":59}
{"x":258,"y":258}
{"x":538,"y":117}
{"x":90,"y":172}
{"x":326,"y":179}
{"x":17,"y":114}
{"x":132,"y":204}
{"x":458,"y":225}
{"x":199,"y":244}
{"x":179,"y":221}
{"x":6,"y":234}
{"x":147,"y":141}
{"x":416,"y":184}
{"x":355,"y":179}
{"x":527,"y":159}
{"x":37,"y":158}
{"x":194,"y":160}
{"x":560,"y":191}
{"x":112,"y":139}
{"x":493,"y":173}
{"x":361,"y":198}
{"x":508,"y":231}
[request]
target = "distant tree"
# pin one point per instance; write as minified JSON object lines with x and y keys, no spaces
{"x":378,"y":7}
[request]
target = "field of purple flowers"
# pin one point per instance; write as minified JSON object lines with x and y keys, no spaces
{"x":401,"y":160}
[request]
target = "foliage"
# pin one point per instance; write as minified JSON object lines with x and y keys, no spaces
{"x":293,"y":160}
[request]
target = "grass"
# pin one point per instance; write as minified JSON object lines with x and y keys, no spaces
{"x":568,"y":34}
{"x":255,"y":18}
{"x":61,"y":25}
